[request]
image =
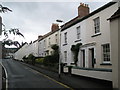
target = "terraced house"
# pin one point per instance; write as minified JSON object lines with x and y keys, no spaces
{"x":84,"y":42}
{"x":92,"y":32}
{"x":47,"y":40}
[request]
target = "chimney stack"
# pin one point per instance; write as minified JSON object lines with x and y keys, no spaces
{"x":54,"y":27}
{"x":83,"y":10}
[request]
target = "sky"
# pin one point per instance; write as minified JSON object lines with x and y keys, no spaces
{"x":36,"y":18}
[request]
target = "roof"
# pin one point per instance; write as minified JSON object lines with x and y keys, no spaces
{"x":77,"y":19}
{"x":115,"y":15}
{"x":48,"y":34}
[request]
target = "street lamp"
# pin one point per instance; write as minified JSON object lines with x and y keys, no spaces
{"x":59,"y":72}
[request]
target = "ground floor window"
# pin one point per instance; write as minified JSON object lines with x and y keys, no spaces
{"x":106,"y":52}
{"x":65,"y":56}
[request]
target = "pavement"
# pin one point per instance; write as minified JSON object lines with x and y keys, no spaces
{"x":74,"y":81}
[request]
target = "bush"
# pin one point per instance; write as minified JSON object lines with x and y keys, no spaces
{"x":31,"y":58}
{"x":39,"y":60}
{"x":25,"y":59}
{"x":47,"y":60}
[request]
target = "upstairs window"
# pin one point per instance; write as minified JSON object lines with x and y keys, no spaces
{"x":65,"y":56}
{"x":56,"y":40}
{"x":97,"y":25}
{"x":65,"y":38}
{"x":44,"y":43}
{"x":49,"y":42}
{"x":78,"y":32}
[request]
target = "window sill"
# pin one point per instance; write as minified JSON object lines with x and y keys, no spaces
{"x":105,"y":64}
{"x":97,"y":34}
{"x":78,"y":40}
{"x":64,"y":44}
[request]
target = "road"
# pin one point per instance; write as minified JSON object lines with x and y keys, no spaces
{"x":21,"y":76}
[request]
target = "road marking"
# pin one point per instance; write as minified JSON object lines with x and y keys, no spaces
{"x":48,"y":77}
{"x":52,"y":79}
{"x":6,"y":75}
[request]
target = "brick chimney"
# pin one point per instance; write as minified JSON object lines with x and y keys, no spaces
{"x":54,"y":27}
{"x":83,"y":10}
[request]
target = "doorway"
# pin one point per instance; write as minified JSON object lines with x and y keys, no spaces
{"x":91,"y":58}
{"x":83,"y":57}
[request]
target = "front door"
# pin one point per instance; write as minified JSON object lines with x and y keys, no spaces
{"x":91,"y":58}
{"x":83,"y":57}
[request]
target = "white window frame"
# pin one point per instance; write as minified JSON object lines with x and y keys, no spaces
{"x":97,"y":25}
{"x":106,"y":52}
{"x":49,"y":41}
{"x":56,"y":39}
{"x":65,"y":56}
{"x":65,"y":37}
{"x":78,"y":30}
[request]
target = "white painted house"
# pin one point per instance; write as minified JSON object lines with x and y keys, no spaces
{"x":93,"y":31}
{"x":49,"y":39}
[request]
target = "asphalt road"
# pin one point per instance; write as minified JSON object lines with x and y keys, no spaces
{"x":21,"y":76}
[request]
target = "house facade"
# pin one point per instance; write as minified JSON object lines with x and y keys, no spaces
{"x":115,"y":47}
{"x":48,"y":40}
{"x":93,"y":32}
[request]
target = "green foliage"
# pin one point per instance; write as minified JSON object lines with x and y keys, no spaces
{"x":31,"y":58}
{"x":14,"y":31}
{"x":55,"y":47}
{"x":55,"y":55}
{"x":39,"y":60}
{"x":50,"y":60}
{"x":24,"y":58}
{"x":75,"y":50}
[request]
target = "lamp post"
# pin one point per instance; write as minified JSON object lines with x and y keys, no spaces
{"x":59,"y":72}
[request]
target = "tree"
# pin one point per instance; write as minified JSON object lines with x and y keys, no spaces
{"x":55,"y":55}
{"x":4,"y":9}
{"x":14,"y":31}
{"x":75,"y":50}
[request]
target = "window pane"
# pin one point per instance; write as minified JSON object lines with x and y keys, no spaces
{"x":106,"y":52}
{"x":97,"y":25}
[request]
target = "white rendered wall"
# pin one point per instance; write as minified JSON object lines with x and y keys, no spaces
{"x":87,"y":30}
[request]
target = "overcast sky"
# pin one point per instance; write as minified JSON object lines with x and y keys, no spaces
{"x":36,"y":18}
